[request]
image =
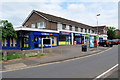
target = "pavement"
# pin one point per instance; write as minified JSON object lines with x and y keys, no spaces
{"x":114,"y":74}
{"x":87,"y":67}
{"x":63,"y":53}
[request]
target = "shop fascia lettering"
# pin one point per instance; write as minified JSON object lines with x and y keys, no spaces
{"x":76,"y":34}
{"x":45,"y":34}
{"x":65,"y":33}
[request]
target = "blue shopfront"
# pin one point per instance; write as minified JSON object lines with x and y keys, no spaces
{"x":78,"y":38}
{"x":64,"y":38}
{"x":29,"y":40}
{"x":10,"y":44}
{"x":36,"y":39}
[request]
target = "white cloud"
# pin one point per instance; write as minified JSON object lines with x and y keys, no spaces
{"x":76,"y":7}
{"x":60,"y":0}
{"x":80,"y":11}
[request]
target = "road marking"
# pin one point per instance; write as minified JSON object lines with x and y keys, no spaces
{"x":56,"y":62}
{"x":105,"y":72}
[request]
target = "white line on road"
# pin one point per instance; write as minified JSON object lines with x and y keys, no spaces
{"x":106,"y":72}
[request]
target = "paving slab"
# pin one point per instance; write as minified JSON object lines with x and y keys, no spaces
{"x":15,"y":66}
{"x":67,"y":52}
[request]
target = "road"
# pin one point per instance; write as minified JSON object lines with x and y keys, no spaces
{"x":88,"y":67}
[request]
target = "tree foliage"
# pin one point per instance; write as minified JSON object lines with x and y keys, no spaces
{"x":7,"y":29}
{"x":111,"y":32}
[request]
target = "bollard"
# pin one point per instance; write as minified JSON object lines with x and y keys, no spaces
{"x":5,"y":56}
{"x":38,"y":53}
{"x":23,"y":55}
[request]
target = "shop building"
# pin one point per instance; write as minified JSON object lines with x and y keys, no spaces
{"x":62,"y":31}
{"x":102,"y":31}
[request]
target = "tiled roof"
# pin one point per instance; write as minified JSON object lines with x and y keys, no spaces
{"x":63,"y":20}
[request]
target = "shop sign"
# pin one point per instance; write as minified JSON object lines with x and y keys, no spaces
{"x":77,"y":34}
{"x":65,"y":33}
{"x":46,"y":33}
{"x":87,"y":35}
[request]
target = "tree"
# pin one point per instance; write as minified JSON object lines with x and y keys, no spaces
{"x":111,"y":33}
{"x":7,"y":29}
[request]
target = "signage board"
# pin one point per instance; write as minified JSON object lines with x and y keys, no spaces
{"x":46,"y":41}
{"x":65,"y":33}
{"x":46,"y":33}
{"x":78,"y":34}
{"x":91,"y":41}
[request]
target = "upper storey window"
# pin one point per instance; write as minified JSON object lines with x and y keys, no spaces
{"x":84,"y":30}
{"x":90,"y":31}
{"x":87,"y":30}
{"x":79,"y":29}
{"x":32,"y":25}
{"x":67,"y":27}
{"x":59,"y":26}
{"x":41,"y":25}
{"x":73,"y":28}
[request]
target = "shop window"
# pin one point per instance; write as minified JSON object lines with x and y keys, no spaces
{"x":59,"y":26}
{"x":14,"y":42}
{"x":62,"y":38}
{"x":35,"y":39}
{"x":40,"y":39}
{"x":67,"y":27}
{"x":73,"y":28}
{"x":41,"y":25}
{"x":26,"y":40}
{"x":26,"y":37}
{"x":2,"y":43}
{"x":10,"y":42}
{"x":33,"y":25}
{"x":5,"y":42}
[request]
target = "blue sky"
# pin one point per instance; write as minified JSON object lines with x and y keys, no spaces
{"x":80,"y":11}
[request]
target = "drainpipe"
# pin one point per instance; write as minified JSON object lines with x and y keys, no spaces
{"x":84,"y":39}
{"x":72,"y":38}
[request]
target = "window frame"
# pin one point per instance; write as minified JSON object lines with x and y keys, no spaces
{"x":39,"y":25}
{"x":67,"y":27}
{"x":59,"y":27}
{"x":73,"y":28}
{"x":32,"y":25}
{"x":84,"y":30}
{"x":79,"y":29}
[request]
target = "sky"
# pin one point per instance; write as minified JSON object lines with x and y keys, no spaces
{"x":82,"y":11}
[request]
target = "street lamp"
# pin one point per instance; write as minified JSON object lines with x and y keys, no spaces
{"x":97,"y":21}
{"x":97,"y":28}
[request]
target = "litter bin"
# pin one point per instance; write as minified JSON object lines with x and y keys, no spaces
{"x":84,"y":48}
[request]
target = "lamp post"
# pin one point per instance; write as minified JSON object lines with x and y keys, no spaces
{"x":97,"y":28}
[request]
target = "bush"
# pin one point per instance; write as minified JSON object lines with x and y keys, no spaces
{"x":42,"y":54}
{"x":1,"y":56}
{"x":13,"y":55}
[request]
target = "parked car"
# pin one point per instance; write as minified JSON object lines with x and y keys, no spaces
{"x":118,"y":41}
{"x":115,"y":41}
{"x":107,"y":43}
